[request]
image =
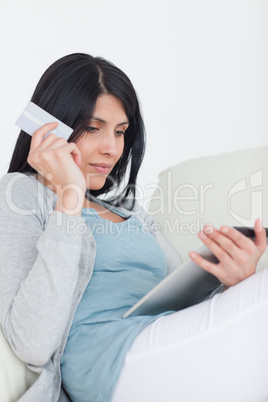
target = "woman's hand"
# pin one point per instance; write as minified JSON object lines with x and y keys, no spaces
{"x":58,"y":161}
{"x":237,"y":254}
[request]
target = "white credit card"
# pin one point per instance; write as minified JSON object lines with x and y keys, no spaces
{"x":35,"y":117}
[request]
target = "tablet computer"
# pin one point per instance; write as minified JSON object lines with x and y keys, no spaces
{"x":187,"y":285}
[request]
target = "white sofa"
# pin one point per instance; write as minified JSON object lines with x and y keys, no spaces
{"x":230,"y":189}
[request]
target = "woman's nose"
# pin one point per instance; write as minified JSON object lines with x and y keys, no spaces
{"x":109,"y":144}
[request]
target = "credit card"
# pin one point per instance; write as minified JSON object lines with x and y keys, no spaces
{"x":34,"y":117}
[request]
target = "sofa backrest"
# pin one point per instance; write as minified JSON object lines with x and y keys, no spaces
{"x":226,"y":189}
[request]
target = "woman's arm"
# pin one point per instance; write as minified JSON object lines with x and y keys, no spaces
{"x":40,"y":254}
{"x":39,"y":257}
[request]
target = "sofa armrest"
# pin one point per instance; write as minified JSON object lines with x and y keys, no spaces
{"x":15,"y":377}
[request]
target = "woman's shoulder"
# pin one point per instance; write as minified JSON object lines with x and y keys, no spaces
{"x":18,"y":184}
{"x":21,"y":190}
{"x":16,"y":177}
{"x":12,"y":184}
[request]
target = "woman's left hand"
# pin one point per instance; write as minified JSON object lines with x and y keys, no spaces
{"x":238,"y":255}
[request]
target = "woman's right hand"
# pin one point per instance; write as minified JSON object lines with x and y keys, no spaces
{"x":58,"y":161}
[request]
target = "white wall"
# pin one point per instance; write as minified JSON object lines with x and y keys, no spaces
{"x":199,"y":67}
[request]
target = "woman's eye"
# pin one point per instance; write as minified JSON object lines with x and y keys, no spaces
{"x":92,"y":129}
{"x":119,"y":133}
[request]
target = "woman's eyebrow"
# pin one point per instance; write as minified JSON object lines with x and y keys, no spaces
{"x":98,"y":119}
{"x":103,"y":121}
{"x":122,"y":124}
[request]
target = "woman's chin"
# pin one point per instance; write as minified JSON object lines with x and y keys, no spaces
{"x":96,"y":183}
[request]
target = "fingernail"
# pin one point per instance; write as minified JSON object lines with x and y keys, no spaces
{"x":202,"y":235}
{"x":193,"y":255}
{"x":258,"y":225}
{"x":208,"y":229}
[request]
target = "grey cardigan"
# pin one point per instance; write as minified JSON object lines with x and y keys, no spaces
{"x":46,"y":262}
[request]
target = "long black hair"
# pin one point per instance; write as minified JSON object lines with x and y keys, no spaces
{"x":68,"y":90}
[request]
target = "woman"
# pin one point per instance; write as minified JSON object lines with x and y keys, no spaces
{"x":72,"y":264}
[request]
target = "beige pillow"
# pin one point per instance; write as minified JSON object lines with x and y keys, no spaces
{"x":230,"y":189}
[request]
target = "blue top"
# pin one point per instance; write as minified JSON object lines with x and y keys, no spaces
{"x":129,"y":263}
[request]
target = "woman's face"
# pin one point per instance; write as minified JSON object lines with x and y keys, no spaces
{"x":102,"y":144}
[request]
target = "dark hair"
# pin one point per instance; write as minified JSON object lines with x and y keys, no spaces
{"x":68,"y":90}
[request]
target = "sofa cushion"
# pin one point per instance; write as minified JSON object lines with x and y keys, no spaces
{"x":226,"y":189}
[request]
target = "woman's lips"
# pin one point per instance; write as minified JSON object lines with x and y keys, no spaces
{"x":101,"y":168}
